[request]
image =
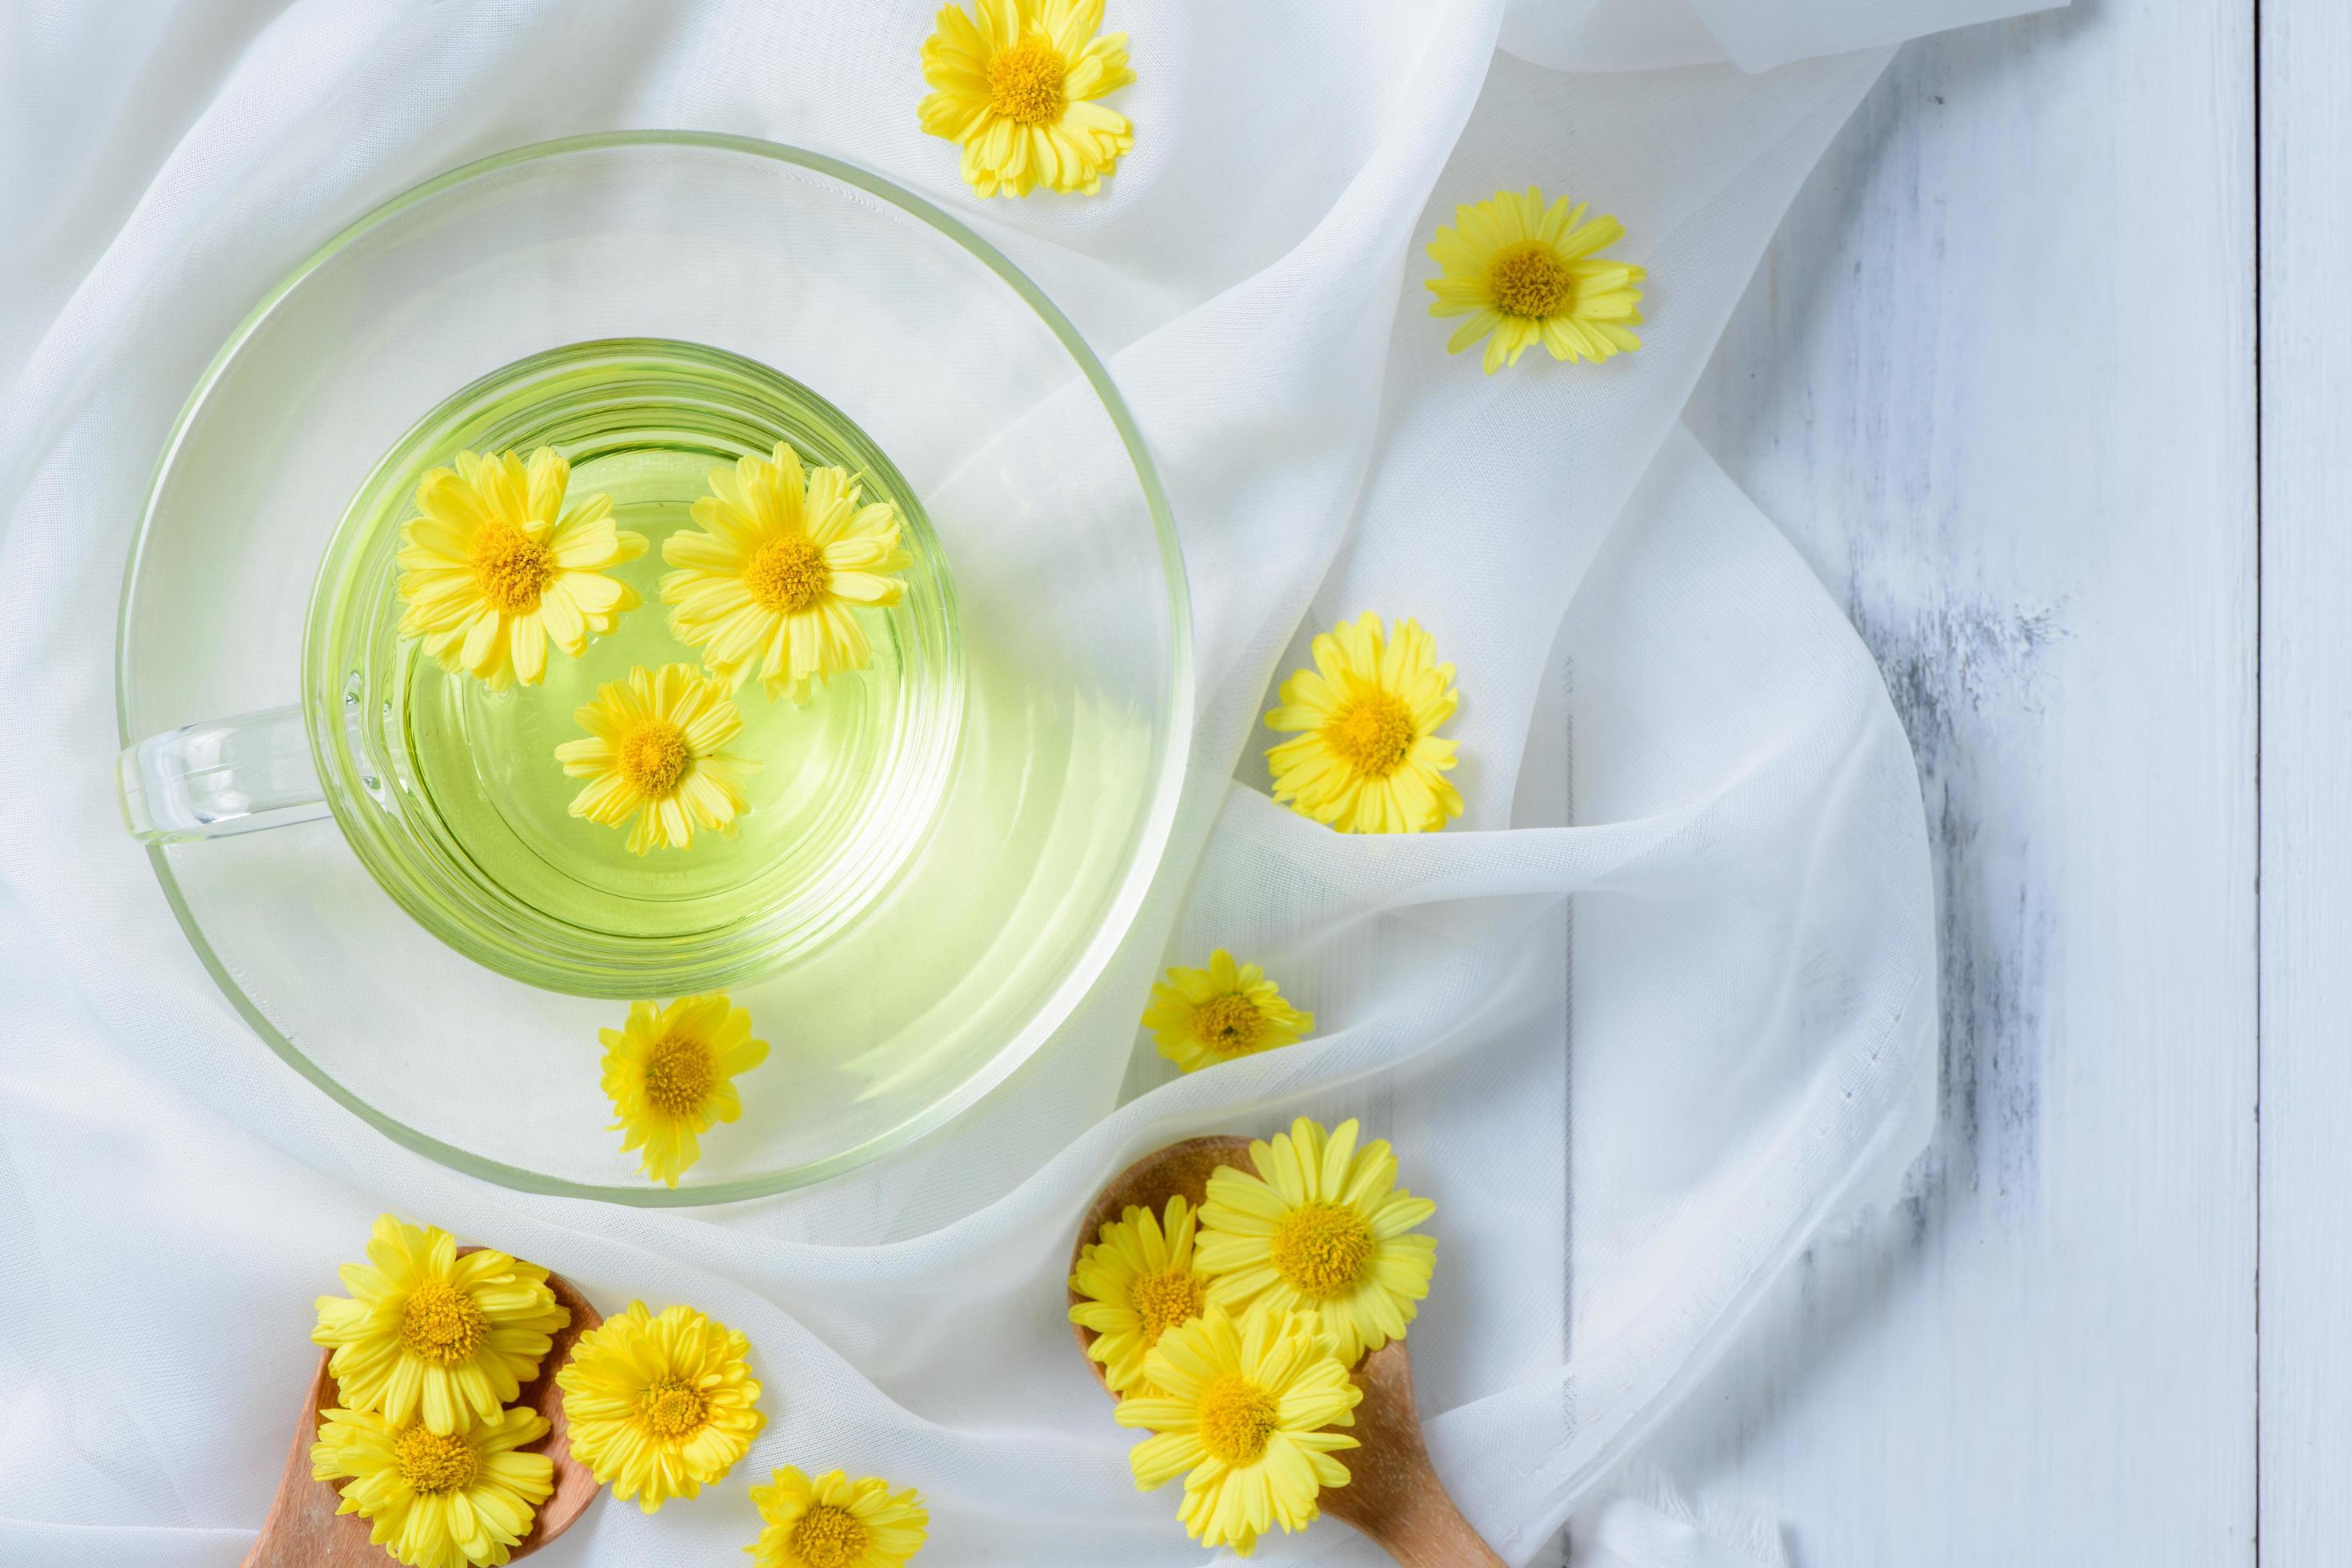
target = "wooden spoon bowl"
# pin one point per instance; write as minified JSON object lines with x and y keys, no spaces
{"x":303,"y":1529}
{"x":1392,"y":1493}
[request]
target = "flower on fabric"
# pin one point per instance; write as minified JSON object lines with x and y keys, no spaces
{"x":771,"y":586}
{"x":459,"y":1500}
{"x":1240,"y":1411}
{"x":495,"y":568}
{"x":655,"y":752}
{"x":835,"y":1523}
{"x":1202,"y":1016}
{"x":1527,"y":273}
{"x":429,"y":1337}
{"x":1139,"y":1281}
{"x":670,"y":1075}
{"x":1321,"y":1228}
{"x":659,"y":1407}
{"x":1367,"y":758}
{"x":1016,"y":84}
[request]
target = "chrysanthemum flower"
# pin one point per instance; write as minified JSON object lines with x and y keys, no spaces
{"x":835,"y":1523}
{"x":656,"y":752}
{"x":773,"y":585}
{"x":1369,"y":759}
{"x":670,"y":1074}
{"x":1322,"y":1228}
{"x":1527,"y":274}
{"x":459,"y":1500}
{"x":428,"y":1335}
{"x":495,"y":569}
{"x":1202,"y":1016}
{"x":1016,"y":87}
{"x":1243,"y":1408}
{"x":1140,"y":1282}
{"x":659,"y":1407}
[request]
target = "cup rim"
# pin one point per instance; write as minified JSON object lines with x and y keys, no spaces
{"x":1172,"y":744}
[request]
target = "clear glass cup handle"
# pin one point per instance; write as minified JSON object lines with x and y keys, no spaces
{"x":229,"y":775}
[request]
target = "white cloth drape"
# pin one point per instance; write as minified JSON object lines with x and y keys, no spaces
{"x":1657,"y":1008}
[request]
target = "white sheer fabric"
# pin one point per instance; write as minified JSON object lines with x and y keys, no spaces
{"x":1654,"y":1011}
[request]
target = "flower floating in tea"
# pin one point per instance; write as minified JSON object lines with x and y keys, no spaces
{"x":1527,"y":273}
{"x":461,"y":1499}
{"x":1367,"y":758}
{"x":655,"y":754}
{"x":772,"y":586}
{"x":1202,"y":1016}
{"x":1322,"y":1228}
{"x":1140,"y":1280}
{"x":426,"y":1336}
{"x":670,"y":1074}
{"x":1243,"y":1408}
{"x":835,"y":1523}
{"x":495,"y":569}
{"x":659,"y":1407}
{"x":1016,"y":85}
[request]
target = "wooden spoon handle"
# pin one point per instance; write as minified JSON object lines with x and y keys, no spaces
{"x":1435,"y":1535}
{"x":1392,"y":1493}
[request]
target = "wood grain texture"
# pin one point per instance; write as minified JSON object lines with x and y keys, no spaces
{"x":1392,"y":1493}
{"x":1996,"y":380}
{"x":2307,"y":848}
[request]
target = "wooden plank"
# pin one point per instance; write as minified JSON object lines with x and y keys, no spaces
{"x":2306,"y":840}
{"x":1996,"y":379}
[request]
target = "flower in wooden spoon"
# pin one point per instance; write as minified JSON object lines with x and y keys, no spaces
{"x":835,"y":1523}
{"x":495,"y":568}
{"x":1526,"y":274}
{"x":1016,"y":87}
{"x":659,"y":1407}
{"x":1367,"y":758}
{"x":1323,"y":1229}
{"x":670,"y":1074}
{"x":655,"y":754}
{"x":774,"y":586}
{"x":1138,"y":1282}
{"x":462,"y":1500}
{"x":1243,"y":1408}
{"x":1203,"y":1017}
{"x":431,"y":1337}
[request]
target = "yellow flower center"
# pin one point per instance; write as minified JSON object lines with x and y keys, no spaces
{"x":828,"y":1537}
{"x":1026,"y":83}
{"x":433,"y":1465}
{"x":1528,"y":279}
{"x":788,"y":574}
{"x":673,"y":1409}
{"x":1164,"y":1300}
{"x":654,"y":757}
{"x":511,"y":570}
{"x":441,"y":1323}
{"x":677,"y":1075}
{"x":1228,"y":1024}
{"x":1237,"y":1417}
{"x":1322,"y":1249}
{"x":1373,"y":733}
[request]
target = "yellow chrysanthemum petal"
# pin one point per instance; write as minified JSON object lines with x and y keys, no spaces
{"x":1139,"y":1281}
{"x":492,"y":549}
{"x":659,"y":1407}
{"x":437,"y":1500}
{"x":1525,"y":273}
{"x":1202,"y":1016}
{"x":1017,"y":84}
{"x":1321,"y":1228}
{"x":1244,"y":1420}
{"x":426,"y":1336}
{"x":835,"y":1523}
{"x":1364,"y":759}
{"x":670,"y":1073}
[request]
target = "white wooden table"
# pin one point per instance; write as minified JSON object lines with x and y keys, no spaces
{"x":1999,"y":380}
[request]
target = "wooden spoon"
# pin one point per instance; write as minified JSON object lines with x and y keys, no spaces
{"x":303,"y":1529}
{"x":1392,"y":1493}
